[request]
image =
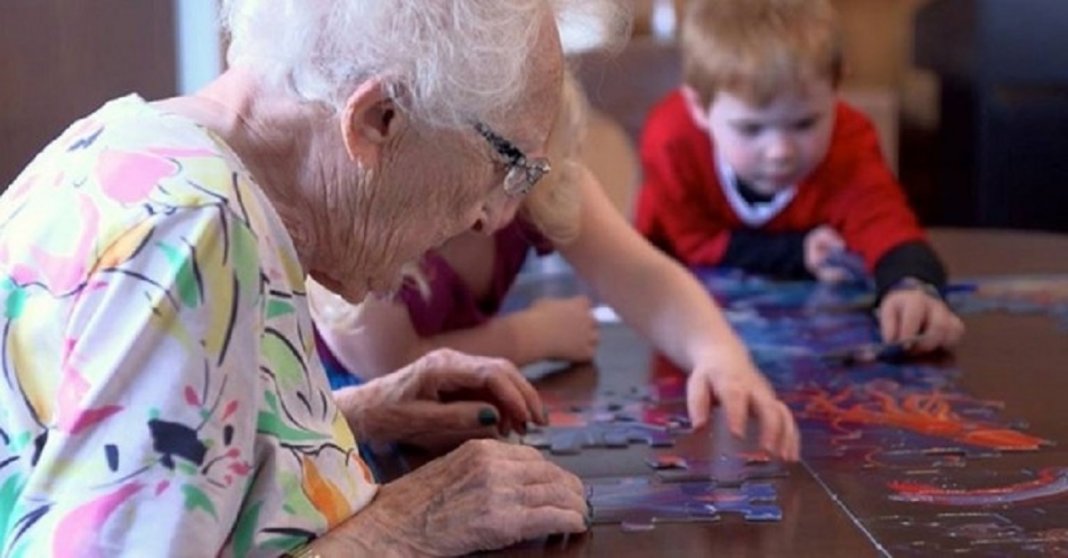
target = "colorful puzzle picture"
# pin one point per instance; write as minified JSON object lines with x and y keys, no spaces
{"x":927,"y":449}
{"x":923,"y":445}
{"x":638,"y":503}
{"x":1018,"y":295}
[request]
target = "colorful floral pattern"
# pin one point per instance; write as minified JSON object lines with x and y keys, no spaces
{"x":160,"y":393}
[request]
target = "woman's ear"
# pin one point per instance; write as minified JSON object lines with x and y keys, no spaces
{"x":369,"y":121}
{"x":698,"y":113}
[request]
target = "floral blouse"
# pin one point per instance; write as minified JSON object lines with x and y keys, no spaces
{"x":160,"y":391}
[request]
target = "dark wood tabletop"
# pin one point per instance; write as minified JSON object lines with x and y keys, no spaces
{"x":1021,"y":360}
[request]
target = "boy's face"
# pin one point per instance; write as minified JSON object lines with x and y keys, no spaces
{"x":774,"y":146}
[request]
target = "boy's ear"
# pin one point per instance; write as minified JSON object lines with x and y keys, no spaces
{"x":369,"y":121}
{"x":698,"y":113}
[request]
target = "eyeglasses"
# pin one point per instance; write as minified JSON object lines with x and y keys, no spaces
{"x":523,"y":172}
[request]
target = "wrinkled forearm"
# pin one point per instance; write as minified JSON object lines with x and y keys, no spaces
{"x":360,"y":535}
{"x":358,"y":404}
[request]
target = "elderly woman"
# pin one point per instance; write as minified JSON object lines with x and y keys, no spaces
{"x":161,"y":393}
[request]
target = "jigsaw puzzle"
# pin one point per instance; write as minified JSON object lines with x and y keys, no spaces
{"x":638,"y":503}
{"x":906,"y":426}
{"x":1017,"y":295}
{"x":723,"y":470}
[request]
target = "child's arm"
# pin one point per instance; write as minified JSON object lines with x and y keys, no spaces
{"x":666,"y":304}
{"x":383,"y":339}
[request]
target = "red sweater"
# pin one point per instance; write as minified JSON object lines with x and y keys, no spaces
{"x":682,"y":207}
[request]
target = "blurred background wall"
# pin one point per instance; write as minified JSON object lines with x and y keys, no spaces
{"x":970,"y":96}
{"x":61,"y":59}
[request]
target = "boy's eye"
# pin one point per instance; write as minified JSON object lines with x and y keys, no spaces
{"x":749,"y":130}
{"x":805,"y":123}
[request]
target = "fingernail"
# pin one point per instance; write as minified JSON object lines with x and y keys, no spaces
{"x":487,"y":417}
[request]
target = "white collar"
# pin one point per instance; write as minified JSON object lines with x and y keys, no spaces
{"x":755,"y":215}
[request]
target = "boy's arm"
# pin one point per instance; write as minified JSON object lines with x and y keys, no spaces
{"x":673,"y":206}
{"x":871,"y":212}
{"x":873,"y":216}
{"x":915,"y":259}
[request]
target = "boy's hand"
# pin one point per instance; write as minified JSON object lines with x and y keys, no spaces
{"x":562,"y":328}
{"x":743,"y":392}
{"x":913,"y":313}
{"x":820,"y":243}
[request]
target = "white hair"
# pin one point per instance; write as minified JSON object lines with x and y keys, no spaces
{"x":446,"y":61}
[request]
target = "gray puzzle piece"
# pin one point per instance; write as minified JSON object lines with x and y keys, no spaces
{"x":638,"y":503}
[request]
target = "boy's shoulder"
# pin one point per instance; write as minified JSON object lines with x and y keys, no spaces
{"x":850,"y":122}
{"x":669,"y":120}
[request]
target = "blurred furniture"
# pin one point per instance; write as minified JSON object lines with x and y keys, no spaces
{"x":1003,"y":143}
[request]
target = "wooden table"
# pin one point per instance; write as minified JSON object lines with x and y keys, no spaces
{"x":1021,"y":360}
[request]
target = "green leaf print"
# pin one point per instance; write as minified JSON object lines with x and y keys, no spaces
{"x":9,"y":495}
{"x":195,"y":498}
{"x":245,"y":529}
{"x":185,"y":279}
{"x":14,"y":304}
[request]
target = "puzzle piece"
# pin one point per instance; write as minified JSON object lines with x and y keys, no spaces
{"x":572,"y":440}
{"x":662,"y":462}
{"x":1013,"y":294}
{"x":639,"y":415}
{"x":725,"y":470}
{"x":638,"y":503}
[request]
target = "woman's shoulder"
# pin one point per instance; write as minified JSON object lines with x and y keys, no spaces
{"x":129,"y":172}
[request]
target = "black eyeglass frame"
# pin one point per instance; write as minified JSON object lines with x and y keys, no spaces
{"x":523,"y":172}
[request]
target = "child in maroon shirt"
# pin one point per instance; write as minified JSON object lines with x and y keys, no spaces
{"x":754,"y":163}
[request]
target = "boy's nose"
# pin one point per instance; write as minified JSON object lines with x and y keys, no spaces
{"x":780,"y":147}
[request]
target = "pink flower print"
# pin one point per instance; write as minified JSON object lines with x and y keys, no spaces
{"x":129,"y":177}
{"x":60,"y":268}
{"x":76,"y":533}
{"x":72,"y":416}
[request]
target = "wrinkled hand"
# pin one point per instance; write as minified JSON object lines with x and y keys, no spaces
{"x":561,"y":328}
{"x":743,"y":391}
{"x":441,"y":400}
{"x":482,"y":496}
{"x":820,"y":243}
{"x":913,"y":314}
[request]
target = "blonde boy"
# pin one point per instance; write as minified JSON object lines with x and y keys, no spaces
{"x":755,"y":163}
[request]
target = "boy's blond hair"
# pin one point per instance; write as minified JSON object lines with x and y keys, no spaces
{"x":756,"y":49}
